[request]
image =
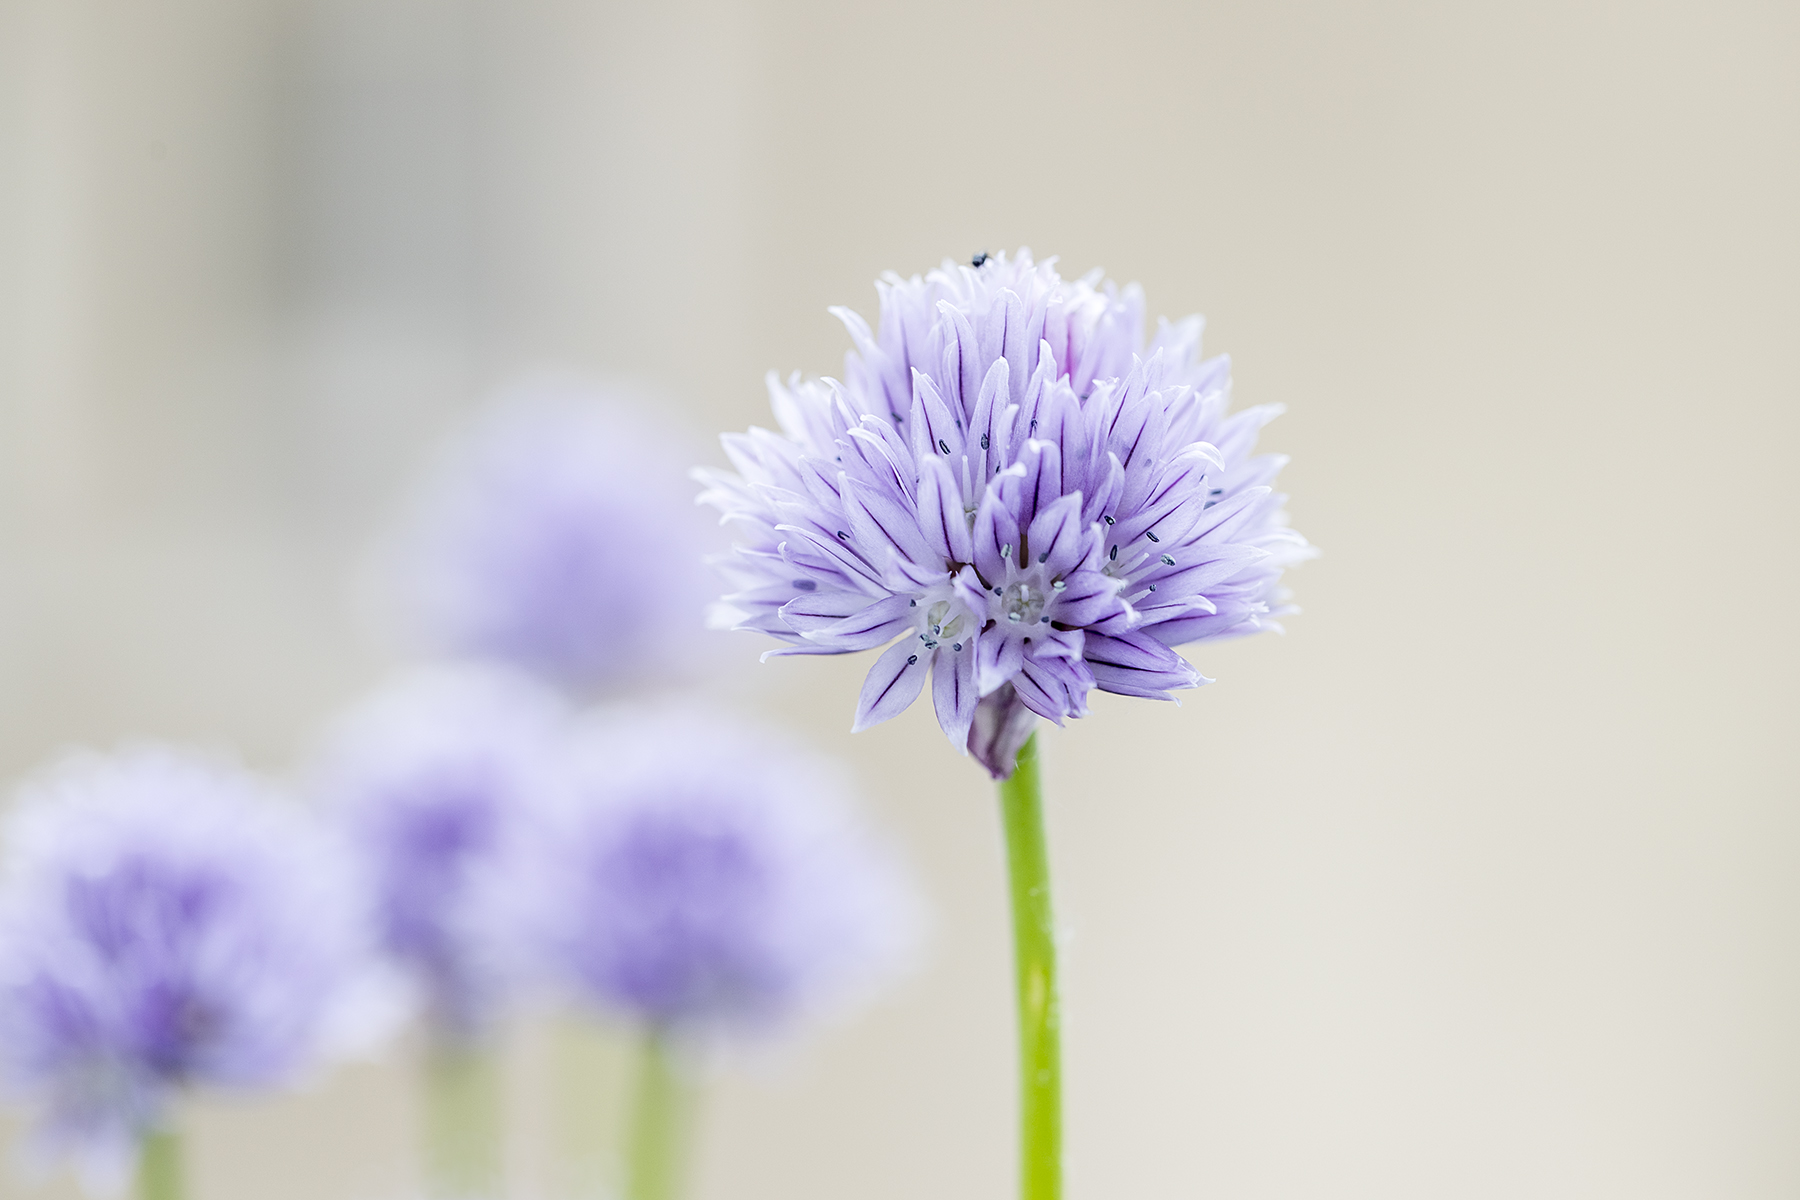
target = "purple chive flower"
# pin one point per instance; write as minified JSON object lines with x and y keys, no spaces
{"x":558,"y":534}
{"x":705,"y":875}
{"x":162,"y":923}
{"x":1015,"y":486}
{"x":434,"y":780}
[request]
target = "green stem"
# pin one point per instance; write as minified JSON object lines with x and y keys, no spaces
{"x":1034,"y":959}
{"x":159,"y":1172}
{"x":659,"y":1124}
{"x":592,"y":1071}
{"x":462,"y":1122}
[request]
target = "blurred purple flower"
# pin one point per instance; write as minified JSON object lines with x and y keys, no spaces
{"x":558,"y":534}
{"x":432,"y":780}
{"x":707,"y":875}
{"x":163,"y":923}
{"x":1018,"y":489}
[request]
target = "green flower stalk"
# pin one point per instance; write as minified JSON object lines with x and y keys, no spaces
{"x":1034,"y":957}
{"x":462,"y":1122}
{"x":662,"y":1119}
{"x":161,"y":1173}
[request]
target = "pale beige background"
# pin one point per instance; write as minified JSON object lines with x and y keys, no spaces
{"x":1481,"y":883}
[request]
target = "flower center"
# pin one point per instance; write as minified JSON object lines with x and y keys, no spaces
{"x":1022,"y":604}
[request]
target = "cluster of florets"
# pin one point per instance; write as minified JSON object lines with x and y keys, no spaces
{"x":521,"y":543}
{"x":1016,"y":491}
{"x":434,"y":780}
{"x":706,"y":875}
{"x":164,"y":922}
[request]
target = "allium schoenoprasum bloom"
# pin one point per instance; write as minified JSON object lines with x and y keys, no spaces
{"x":1016,"y":483}
{"x":709,"y":877}
{"x":164,"y":922}
{"x":557,"y":533}
{"x":432,"y":780}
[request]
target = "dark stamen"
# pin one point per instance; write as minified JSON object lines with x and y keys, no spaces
{"x":1152,"y":537}
{"x":1167,"y":561}
{"x":980,"y":257}
{"x":1113,"y":554}
{"x":943,"y":445}
{"x":911,"y":659}
{"x":984,"y":441}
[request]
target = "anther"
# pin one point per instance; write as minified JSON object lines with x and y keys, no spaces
{"x":911,"y":659}
{"x":1153,"y":587}
{"x":842,"y":536}
{"x":1107,"y":519}
{"x":1043,"y":620}
{"x":1152,"y":537}
{"x":1034,"y":424}
{"x":979,"y":258}
{"x":943,"y":445}
{"x":1006,"y":550}
{"x":912,"y":604}
{"x":1044,"y":557}
{"x":1013,"y":617}
{"x":805,"y":585}
{"x":1167,"y":561}
{"x":1058,"y":584}
{"x":956,"y":645}
{"x":1113,"y":554}
{"x":984,"y":441}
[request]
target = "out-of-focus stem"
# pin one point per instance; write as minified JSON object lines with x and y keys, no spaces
{"x":660,"y":1122}
{"x":1034,"y":960}
{"x":159,"y":1171}
{"x":462,"y":1122}
{"x":591,"y":1074}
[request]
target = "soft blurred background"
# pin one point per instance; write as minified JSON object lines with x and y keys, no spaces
{"x":1480,"y":882}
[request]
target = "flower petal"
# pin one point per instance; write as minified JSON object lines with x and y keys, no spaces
{"x":875,"y":625}
{"x":996,"y":533}
{"x":1055,"y":537}
{"x":894,"y":682}
{"x":941,"y":517}
{"x":953,"y":691}
{"x":998,"y":659}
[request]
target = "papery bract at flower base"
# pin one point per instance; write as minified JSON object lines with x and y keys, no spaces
{"x":1018,"y":488}
{"x":163,"y":924}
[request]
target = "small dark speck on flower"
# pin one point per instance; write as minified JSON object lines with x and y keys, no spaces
{"x":980,"y":257}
